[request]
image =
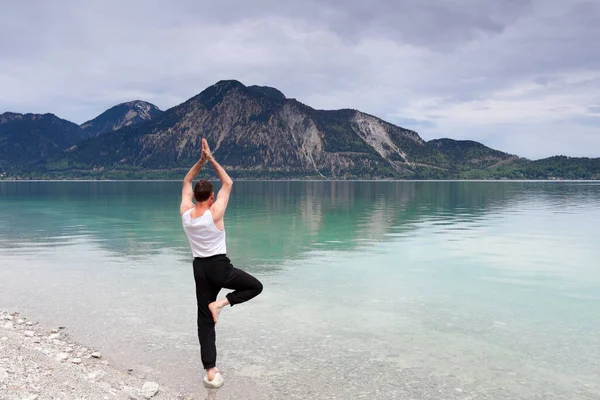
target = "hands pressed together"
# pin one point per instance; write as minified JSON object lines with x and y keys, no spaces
{"x":208,"y":157}
{"x":206,"y":153}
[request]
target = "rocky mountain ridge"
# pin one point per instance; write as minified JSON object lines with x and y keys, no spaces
{"x":256,"y":132}
{"x":119,"y":116}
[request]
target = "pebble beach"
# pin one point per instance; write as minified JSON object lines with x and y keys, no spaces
{"x":45,"y":363}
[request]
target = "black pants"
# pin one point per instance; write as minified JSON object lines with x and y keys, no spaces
{"x":211,"y":275}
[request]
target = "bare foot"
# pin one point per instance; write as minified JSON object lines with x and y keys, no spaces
{"x":213,"y":379}
{"x":215,"y":310}
{"x":210,"y":373}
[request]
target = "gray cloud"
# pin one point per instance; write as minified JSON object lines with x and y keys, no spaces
{"x":519,"y":76}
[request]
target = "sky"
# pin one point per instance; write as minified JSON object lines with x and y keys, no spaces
{"x":521,"y":76}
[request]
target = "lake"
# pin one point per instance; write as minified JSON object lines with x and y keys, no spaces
{"x":372,"y":290}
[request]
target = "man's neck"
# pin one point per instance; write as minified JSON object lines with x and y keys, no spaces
{"x":201,"y":209}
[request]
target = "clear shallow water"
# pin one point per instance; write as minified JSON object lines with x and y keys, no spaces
{"x":376,"y":290}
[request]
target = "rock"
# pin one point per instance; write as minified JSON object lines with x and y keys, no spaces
{"x":54,"y":330}
{"x":9,"y":317}
{"x":29,"y":323}
{"x":8,"y":325}
{"x":104,"y":362}
{"x":76,"y":360}
{"x":32,"y":397}
{"x":4,"y":338}
{"x":95,"y":375}
{"x":36,"y":340}
{"x":149,"y":389}
{"x":96,"y":354}
{"x":132,"y":393}
{"x":68,"y":350}
{"x":20,"y":321}
{"x":80,"y":354}
{"x":54,"y":336}
{"x":62,"y":356}
{"x":29,"y":333}
{"x":62,"y":327}
{"x":3,"y":374}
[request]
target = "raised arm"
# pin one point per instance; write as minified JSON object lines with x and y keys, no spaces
{"x":187,"y":193}
{"x":220,"y":205}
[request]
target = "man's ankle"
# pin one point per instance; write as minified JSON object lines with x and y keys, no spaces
{"x":211,"y":372}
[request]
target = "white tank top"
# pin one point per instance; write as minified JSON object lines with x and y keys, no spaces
{"x":205,"y":238}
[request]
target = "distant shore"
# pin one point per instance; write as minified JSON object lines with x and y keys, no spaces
{"x":303,"y":180}
{"x":38,"y":363}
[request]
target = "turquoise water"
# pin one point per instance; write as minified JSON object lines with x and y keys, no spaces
{"x":375,"y":290}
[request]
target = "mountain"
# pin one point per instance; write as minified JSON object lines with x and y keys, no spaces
{"x":124,"y":114}
{"x":27,"y":140}
{"x":557,"y":167}
{"x":256,"y":132}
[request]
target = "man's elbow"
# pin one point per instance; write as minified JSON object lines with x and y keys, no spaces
{"x":228,"y":182}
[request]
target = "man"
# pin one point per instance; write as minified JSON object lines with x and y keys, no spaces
{"x":205,"y":229}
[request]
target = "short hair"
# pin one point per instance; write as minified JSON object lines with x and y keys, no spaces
{"x":202,"y":190}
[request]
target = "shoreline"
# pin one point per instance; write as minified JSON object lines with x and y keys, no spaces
{"x":38,"y":362}
{"x":316,"y":180}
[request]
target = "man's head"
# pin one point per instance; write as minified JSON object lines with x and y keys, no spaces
{"x":203,"y":191}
